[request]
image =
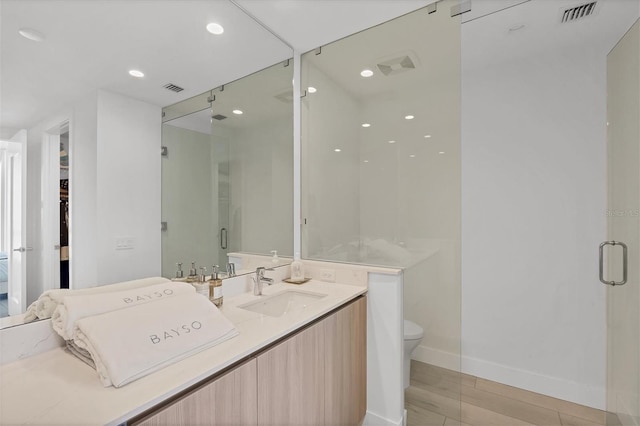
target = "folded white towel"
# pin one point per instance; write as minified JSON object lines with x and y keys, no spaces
{"x":131,"y":343}
{"x":75,"y":307}
{"x":82,"y":354}
{"x":48,"y":301}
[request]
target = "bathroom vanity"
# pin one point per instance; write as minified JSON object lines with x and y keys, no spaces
{"x":307,"y":365}
{"x":313,"y":376}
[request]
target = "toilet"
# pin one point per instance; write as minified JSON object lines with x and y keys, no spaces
{"x":413,"y":334}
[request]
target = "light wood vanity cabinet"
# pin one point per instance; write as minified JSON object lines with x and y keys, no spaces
{"x":315,"y":377}
{"x":228,"y":400}
{"x":319,"y":376}
{"x":345,"y":383}
{"x":291,"y":379}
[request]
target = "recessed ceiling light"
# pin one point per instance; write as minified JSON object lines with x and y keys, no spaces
{"x":136,"y":73}
{"x":337,"y":150}
{"x":366,"y":125}
{"x":311,"y":89}
{"x":365,"y":161}
{"x":441,"y":152}
{"x":366,"y":73}
{"x":392,"y":141}
{"x":237,"y":112}
{"x":215,"y":28}
{"x":412,"y":156}
{"x":31,"y":34}
{"x":408,"y":117}
{"x":427,"y":136}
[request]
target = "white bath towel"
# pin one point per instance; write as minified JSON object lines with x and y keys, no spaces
{"x":82,"y":354}
{"x":131,"y":343}
{"x":48,"y":301}
{"x":75,"y":307}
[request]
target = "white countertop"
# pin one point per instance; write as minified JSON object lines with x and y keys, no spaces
{"x":55,"y":388}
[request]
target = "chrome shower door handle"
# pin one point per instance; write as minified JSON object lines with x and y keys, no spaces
{"x":223,"y":238}
{"x":625,"y":259}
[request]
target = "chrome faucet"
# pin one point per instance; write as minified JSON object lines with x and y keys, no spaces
{"x":259,"y":279}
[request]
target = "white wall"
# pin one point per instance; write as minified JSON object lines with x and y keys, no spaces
{"x":329,"y":178}
{"x":261,"y":180}
{"x":114,"y":191}
{"x":533,"y":200}
{"x":187,"y":202}
{"x":83,"y":193}
{"x":128,"y":187}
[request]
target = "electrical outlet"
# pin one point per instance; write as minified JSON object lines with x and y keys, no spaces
{"x":124,"y":243}
{"x":328,"y":275}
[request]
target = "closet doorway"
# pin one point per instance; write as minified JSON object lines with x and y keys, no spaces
{"x":57,"y":201}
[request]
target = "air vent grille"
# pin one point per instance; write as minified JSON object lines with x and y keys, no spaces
{"x":173,"y":87}
{"x":396,"y":65}
{"x":578,"y":12}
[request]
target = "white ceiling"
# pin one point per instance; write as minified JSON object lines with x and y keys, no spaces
{"x":533,"y":30}
{"x":92,"y":44}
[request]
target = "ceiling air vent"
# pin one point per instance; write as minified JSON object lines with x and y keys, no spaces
{"x":219,"y":117}
{"x":173,"y":87}
{"x":396,"y":65}
{"x":578,"y":12}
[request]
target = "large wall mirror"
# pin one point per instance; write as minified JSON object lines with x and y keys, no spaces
{"x":227,"y":172}
{"x":88,"y":134}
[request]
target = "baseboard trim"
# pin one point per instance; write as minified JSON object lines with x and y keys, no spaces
{"x":579,"y":393}
{"x":372,"y":419}
{"x":436,"y":357}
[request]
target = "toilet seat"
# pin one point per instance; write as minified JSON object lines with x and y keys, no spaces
{"x":412,"y":331}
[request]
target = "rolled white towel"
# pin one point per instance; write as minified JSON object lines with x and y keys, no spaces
{"x":131,"y":343}
{"x":48,"y":301}
{"x":78,"y":306}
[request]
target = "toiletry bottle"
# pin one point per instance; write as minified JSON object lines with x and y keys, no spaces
{"x":179,"y":274}
{"x":215,"y":288}
{"x":274,"y":259}
{"x":201,"y":285}
{"x":297,"y":269}
{"x":193,"y":274}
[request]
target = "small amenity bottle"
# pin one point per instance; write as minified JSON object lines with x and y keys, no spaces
{"x":215,"y":288}
{"x":179,"y":274}
{"x":201,"y":283}
{"x":193,"y":274}
{"x":297,"y":269}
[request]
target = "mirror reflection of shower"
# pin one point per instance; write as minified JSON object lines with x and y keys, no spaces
{"x":227,"y":172}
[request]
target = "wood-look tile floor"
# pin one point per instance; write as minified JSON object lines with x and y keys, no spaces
{"x":446,"y":398}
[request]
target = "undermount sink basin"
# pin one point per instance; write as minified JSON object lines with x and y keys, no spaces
{"x":283,"y":302}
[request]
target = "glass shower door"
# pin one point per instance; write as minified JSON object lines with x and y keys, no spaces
{"x":622,"y":251}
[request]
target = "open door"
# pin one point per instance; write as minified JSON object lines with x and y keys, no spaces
{"x":622,"y":251}
{"x":13,"y":168}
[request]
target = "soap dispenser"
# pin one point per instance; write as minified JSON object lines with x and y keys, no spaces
{"x":193,"y":274}
{"x":179,"y":274}
{"x":201,"y":283}
{"x":275,"y":259}
{"x":297,"y":269}
{"x":215,"y":287}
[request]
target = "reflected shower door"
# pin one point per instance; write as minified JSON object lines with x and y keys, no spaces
{"x":623,"y":163}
